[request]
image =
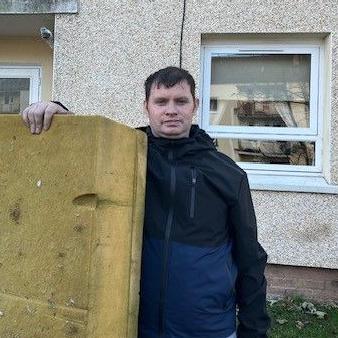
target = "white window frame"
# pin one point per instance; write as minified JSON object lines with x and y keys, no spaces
{"x":273,"y":176}
{"x":33,"y":73}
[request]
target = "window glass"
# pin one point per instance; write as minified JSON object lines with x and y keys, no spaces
{"x":260,"y":90}
{"x":14,"y":95}
{"x":268,"y":151}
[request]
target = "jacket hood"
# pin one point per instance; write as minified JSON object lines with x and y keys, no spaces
{"x":197,"y":141}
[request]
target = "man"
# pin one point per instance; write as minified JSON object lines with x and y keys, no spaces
{"x":200,"y":255}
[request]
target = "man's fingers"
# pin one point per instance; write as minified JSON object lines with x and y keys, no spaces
{"x":38,"y":118}
{"x":31,"y":120}
{"x":24,"y":115}
{"x":48,"y":118}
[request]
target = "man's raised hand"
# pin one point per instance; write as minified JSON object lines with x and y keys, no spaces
{"x":38,"y":116}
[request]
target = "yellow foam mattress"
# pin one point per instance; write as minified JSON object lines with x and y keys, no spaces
{"x":71,"y":214}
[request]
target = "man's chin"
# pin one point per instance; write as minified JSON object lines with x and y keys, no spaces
{"x":174,"y":133}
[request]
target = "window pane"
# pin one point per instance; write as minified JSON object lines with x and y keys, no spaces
{"x":14,"y":95}
{"x":260,"y":90}
{"x":268,"y":151}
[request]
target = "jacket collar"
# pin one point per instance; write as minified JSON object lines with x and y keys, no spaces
{"x":197,"y":141}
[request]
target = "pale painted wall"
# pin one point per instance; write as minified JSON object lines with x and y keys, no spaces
{"x":29,"y":51}
{"x":103,"y":54}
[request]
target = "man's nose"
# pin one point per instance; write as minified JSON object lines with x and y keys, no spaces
{"x":171,"y":109}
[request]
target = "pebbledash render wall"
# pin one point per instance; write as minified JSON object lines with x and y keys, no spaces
{"x":104,"y":52}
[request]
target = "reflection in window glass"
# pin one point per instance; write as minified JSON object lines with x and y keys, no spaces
{"x":14,"y":95}
{"x":268,"y":151}
{"x":261,"y":90}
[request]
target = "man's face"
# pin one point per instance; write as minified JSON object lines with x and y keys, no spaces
{"x":170,"y":110}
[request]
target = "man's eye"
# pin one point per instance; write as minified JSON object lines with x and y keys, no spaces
{"x":161,"y":102}
{"x":182,"y":102}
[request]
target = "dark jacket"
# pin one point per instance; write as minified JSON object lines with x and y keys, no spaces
{"x":200,"y":252}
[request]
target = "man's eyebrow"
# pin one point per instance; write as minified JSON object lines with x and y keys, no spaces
{"x":160,"y":98}
{"x":182,"y":98}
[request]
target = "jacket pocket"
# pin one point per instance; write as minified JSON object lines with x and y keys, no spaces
{"x":193,"y":192}
{"x":231,"y":273}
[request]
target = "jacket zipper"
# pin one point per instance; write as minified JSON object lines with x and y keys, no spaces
{"x":164,"y":277}
{"x":193,"y":192}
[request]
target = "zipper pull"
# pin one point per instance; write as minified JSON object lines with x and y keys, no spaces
{"x":193,"y":192}
{"x":193,"y":175}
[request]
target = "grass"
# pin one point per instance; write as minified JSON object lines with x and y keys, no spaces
{"x":289,"y":320}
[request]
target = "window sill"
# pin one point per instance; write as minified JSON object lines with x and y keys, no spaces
{"x":313,"y":184}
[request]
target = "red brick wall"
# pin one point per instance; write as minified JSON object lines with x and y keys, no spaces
{"x":316,"y":284}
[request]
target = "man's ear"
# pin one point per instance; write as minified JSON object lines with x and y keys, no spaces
{"x":197,"y":104}
{"x":145,"y":107}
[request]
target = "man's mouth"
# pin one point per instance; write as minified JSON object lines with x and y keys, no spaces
{"x":171,"y":121}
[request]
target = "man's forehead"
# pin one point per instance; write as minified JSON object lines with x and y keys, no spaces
{"x":182,"y":87}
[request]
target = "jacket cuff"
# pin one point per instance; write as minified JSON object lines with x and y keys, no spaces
{"x":60,"y":104}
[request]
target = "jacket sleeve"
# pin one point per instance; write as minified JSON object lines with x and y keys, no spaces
{"x":250,"y":259}
{"x":60,"y":104}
